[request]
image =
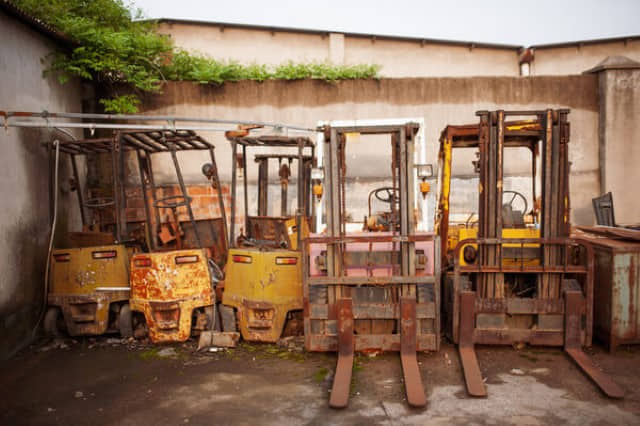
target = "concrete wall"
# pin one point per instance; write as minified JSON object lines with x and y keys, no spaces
{"x":400,"y":58}
{"x":397,"y":57}
{"x":24,"y":217}
{"x":620,"y":140}
{"x":575,"y":59}
{"x":440,"y":101}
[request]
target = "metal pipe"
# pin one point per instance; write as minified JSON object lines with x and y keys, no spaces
{"x":223,"y":213}
{"x":74,"y":166}
{"x":151,"y":243}
{"x":127,"y":117}
{"x":187,"y":199}
{"x":232,"y":232}
{"x":246,"y":191}
{"x":116,"y":198}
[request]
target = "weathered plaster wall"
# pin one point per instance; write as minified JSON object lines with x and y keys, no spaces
{"x":24,"y":217}
{"x":440,"y":101}
{"x":397,"y":57}
{"x":620,"y":140}
{"x":574,"y":59}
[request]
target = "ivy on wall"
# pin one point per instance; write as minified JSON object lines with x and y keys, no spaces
{"x":128,"y":57}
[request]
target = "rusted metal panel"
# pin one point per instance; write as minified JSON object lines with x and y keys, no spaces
{"x":328,"y":342}
{"x":517,"y":305}
{"x":375,"y":311}
{"x":167,"y":287}
{"x":617,"y":272}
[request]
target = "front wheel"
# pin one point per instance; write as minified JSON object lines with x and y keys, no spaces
{"x":125,"y":321}
{"x":53,"y":321}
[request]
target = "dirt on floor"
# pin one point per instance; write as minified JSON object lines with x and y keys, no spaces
{"x":112,"y":381}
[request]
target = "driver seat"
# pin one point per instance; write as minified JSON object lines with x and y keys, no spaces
{"x":512,"y":218}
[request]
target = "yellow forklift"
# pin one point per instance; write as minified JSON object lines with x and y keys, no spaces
{"x":515,"y":276}
{"x":263,"y":283}
{"x":174,"y":285}
{"x":88,"y":288}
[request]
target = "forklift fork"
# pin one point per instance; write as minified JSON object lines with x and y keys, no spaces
{"x":472,"y":374}
{"x":408,"y":354}
{"x":572,"y":346}
{"x":342,"y":380}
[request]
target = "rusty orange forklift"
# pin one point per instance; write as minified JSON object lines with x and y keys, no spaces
{"x":377,"y":289}
{"x":88,"y":290}
{"x":510,"y":280}
{"x":174,"y":285}
{"x":262,"y":287}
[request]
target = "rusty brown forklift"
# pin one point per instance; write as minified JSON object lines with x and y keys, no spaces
{"x":174,"y":285}
{"x":372,"y":291}
{"x":507,"y":281}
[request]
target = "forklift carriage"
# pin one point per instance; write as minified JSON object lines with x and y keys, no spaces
{"x":506,"y":281}
{"x":372,"y":291}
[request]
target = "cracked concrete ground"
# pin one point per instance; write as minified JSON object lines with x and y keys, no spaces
{"x":109,"y":383}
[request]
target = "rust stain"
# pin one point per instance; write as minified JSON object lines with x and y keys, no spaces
{"x":167,"y":290}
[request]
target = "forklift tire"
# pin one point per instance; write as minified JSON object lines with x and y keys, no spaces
{"x":228,"y":316}
{"x":125,"y":321}
{"x":51,"y":320}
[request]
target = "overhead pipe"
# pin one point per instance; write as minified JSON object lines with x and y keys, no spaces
{"x":171,"y":119}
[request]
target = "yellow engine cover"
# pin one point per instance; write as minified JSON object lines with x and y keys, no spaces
{"x":82,"y":270}
{"x":84,"y":282}
{"x":167,"y":287}
{"x":263,"y":286}
{"x":464,"y":233}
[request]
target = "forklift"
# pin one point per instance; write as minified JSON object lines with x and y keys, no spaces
{"x":88,"y":288}
{"x":515,"y":276}
{"x":174,"y":285}
{"x":262,"y":287}
{"x":375,"y":289}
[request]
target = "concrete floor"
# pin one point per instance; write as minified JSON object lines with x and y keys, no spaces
{"x":103,"y":381}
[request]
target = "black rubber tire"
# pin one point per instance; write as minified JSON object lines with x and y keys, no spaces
{"x":228,"y":316}
{"x":125,"y":321}
{"x":51,"y":320}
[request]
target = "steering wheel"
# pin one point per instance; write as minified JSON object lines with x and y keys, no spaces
{"x":386,"y":194}
{"x":516,"y":194}
{"x":172,"y":202}
{"x":99,"y":202}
